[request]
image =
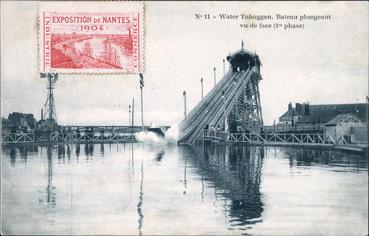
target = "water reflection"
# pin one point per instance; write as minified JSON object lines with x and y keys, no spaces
{"x":78,"y":150}
{"x":309,"y":157}
{"x":89,"y":150}
{"x":159,"y":156}
{"x":68,"y":152}
{"x":102,"y":149}
{"x":132,"y":163}
{"x":224,"y":179}
{"x":50,"y":188}
{"x":235,"y":174}
{"x":61,"y":154}
{"x":24,"y":151}
{"x":140,"y":201}
{"x":12,"y":155}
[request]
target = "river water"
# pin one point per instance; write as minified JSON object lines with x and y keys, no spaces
{"x":165,"y":189}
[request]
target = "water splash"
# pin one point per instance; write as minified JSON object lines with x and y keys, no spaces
{"x":149,"y":137}
{"x":171,"y":136}
{"x":172,"y":133}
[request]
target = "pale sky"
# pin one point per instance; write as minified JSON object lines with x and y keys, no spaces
{"x":327,"y":62}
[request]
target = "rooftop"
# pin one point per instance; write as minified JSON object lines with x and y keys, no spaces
{"x":341,"y":118}
{"x":326,"y":112}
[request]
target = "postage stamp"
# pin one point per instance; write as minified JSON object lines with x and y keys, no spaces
{"x":91,"y":37}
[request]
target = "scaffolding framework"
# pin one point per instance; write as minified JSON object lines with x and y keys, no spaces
{"x":233,"y":105}
{"x":49,"y":107}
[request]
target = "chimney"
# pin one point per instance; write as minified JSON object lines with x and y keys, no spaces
{"x":289,"y":106}
{"x":298,"y":108}
{"x":307,"y":109}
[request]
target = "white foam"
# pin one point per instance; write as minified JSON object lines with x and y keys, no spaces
{"x":149,"y":137}
{"x":171,"y":136}
{"x":172,"y":133}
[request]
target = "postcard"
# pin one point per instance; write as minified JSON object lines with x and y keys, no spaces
{"x":184,"y":118}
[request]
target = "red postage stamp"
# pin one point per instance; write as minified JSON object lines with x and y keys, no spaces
{"x":91,"y":37}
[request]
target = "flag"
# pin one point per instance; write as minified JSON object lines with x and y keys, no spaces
{"x":49,"y":75}
{"x":54,"y":76}
{"x":141,"y":81}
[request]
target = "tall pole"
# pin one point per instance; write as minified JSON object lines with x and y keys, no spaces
{"x":133,"y":114}
{"x":215,"y":79}
{"x":129,"y":115}
{"x":224,"y":111}
{"x":141,"y":87}
{"x":223,"y":67}
{"x":50,"y":113}
{"x":50,"y":98}
{"x":184,"y":99}
{"x":142,"y":119}
{"x":202,"y":88}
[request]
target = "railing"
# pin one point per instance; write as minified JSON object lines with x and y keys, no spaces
{"x":106,"y":128}
{"x":294,"y":128}
{"x":18,"y":137}
{"x":91,"y":137}
{"x":275,"y":138}
{"x":77,"y":134}
{"x":14,"y":138}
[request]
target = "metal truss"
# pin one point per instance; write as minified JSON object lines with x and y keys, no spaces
{"x":49,"y":107}
{"x":275,"y":138}
{"x":18,"y":138}
{"x":91,"y":137}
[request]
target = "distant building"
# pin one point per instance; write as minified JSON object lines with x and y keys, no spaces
{"x":347,"y":128}
{"x":344,"y":123}
{"x":306,"y":114}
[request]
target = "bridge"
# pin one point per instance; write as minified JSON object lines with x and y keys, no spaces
{"x":233,"y":105}
{"x":78,"y":134}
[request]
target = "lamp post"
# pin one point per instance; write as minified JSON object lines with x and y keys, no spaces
{"x":215,"y":79}
{"x":129,"y":115}
{"x":184,"y":100}
{"x":224,"y":111}
{"x":202,"y":88}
